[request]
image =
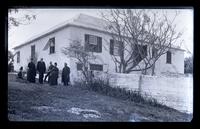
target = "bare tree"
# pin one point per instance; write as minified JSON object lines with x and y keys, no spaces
{"x":10,"y":61}
{"x":10,"y":57}
{"x":24,"y":19}
{"x":143,"y":36}
{"x":77,"y":51}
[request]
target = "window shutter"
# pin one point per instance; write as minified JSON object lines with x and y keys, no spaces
{"x":169,"y":56}
{"x":99,"y":44}
{"x":144,"y":50}
{"x":33,"y":51}
{"x":47,"y":45}
{"x":96,"y":67}
{"x":79,"y":66}
{"x":86,"y":42}
{"x":52,"y":45}
{"x":111,"y":46}
{"x":18,"y":57}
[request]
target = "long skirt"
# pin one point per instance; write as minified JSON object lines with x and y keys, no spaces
{"x":53,"y":80}
{"x":31,"y":76}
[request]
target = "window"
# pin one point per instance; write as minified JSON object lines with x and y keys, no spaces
{"x":96,"y":67}
{"x":79,"y":66}
{"x":93,"y":40}
{"x":154,"y":52}
{"x":114,"y":47}
{"x":93,"y":43}
{"x":33,"y":51}
{"x":18,"y":57}
{"x":140,"y":52}
{"x":169,"y":57}
{"x":52,"y":45}
{"x":144,"y":51}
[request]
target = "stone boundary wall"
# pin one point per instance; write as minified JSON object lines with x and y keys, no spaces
{"x":174,"y":91}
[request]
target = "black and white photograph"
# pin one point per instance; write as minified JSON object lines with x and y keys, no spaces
{"x":100,"y":64}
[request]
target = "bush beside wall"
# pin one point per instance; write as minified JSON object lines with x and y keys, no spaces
{"x":103,"y":87}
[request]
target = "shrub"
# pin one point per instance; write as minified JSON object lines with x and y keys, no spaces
{"x":188,"y":65}
{"x":103,"y":87}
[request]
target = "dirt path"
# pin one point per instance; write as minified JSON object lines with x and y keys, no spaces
{"x":35,"y":102}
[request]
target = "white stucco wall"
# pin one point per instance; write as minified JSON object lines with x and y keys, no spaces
{"x":103,"y":58}
{"x":24,"y":56}
{"x":127,"y":81}
{"x":175,"y":92}
{"x":61,"y":39}
{"x":176,"y":66}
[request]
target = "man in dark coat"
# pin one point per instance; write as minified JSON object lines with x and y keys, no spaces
{"x":48,"y":72}
{"x":31,"y":73}
{"x":65,"y":74}
{"x":41,"y":68}
{"x":53,"y":80}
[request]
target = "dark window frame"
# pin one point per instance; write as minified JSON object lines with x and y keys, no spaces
{"x":79,"y":66}
{"x":96,"y":67}
{"x":32,"y":51}
{"x":18,"y":57}
{"x":52,"y":48}
{"x":90,"y":47}
{"x":144,"y":47}
{"x":154,"y":52}
{"x":137,"y":56}
{"x":169,"y":57}
{"x":113,"y":47}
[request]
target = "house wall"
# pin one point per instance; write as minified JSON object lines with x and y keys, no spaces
{"x":103,"y":58}
{"x":64,"y":36}
{"x":176,"y":66}
{"x":61,"y":39}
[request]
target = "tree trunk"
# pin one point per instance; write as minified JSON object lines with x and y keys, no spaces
{"x":145,"y":70}
{"x":153,"y":70}
{"x":124,"y":69}
{"x":140,"y":84}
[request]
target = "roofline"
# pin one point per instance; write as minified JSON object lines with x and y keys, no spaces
{"x":180,"y":49}
{"x":39,"y":37}
{"x":56,"y":29}
{"x":68,"y":25}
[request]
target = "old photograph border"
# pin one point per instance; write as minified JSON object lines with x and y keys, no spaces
{"x":165,"y":125}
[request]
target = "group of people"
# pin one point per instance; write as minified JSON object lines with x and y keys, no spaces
{"x":52,"y":73}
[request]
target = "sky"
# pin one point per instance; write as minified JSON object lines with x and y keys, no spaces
{"x":47,"y":18}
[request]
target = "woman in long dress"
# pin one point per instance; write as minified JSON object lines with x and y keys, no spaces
{"x":31,"y":73}
{"x":53,"y":78}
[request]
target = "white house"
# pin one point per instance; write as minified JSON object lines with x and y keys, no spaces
{"x":48,"y":45}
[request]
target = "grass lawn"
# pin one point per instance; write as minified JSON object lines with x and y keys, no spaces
{"x":36,"y":102}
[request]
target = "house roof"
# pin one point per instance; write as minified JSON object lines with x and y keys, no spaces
{"x":80,"y":20}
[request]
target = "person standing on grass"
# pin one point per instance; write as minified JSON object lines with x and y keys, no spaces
{"x":53,"y":80}
{"x":31,"y":73}
{"x":41,"y":68}
{"x":20,"y":74}
{"x":66,"y":75}
{"x":48,"y":72}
